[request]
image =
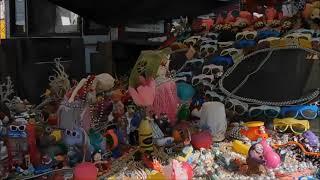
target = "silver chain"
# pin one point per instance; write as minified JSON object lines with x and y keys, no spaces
{"x":303,"y":100}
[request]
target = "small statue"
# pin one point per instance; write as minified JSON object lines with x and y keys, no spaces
{"x":255,"y":159}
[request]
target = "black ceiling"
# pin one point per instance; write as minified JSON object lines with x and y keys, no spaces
{"x":119,"y":12}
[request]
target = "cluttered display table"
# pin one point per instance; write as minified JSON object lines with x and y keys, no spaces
{"x":187,"y":111}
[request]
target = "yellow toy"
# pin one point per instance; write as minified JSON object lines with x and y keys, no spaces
{"x":240,"y":147}
{"x":145,"y":136}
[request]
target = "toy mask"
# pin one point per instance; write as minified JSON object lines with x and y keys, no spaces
{"x":296,"y":126}
{"x":236,"y":54}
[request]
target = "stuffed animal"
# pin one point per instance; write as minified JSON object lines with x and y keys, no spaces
{"x":311,"y":14}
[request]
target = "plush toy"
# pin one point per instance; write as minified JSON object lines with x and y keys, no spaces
{"x":311,"y":14}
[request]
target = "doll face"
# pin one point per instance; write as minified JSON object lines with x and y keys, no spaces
{"x":259,"y":148}
{"x":97,"y":157}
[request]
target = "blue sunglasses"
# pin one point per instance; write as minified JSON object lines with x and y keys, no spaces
{"x":264,"y":34}
{"x":244,"y":43}
{"x":225,"y":61}
{"x":305,"y":111}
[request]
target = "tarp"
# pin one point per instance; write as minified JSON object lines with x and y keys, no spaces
{"x":121,"y":12}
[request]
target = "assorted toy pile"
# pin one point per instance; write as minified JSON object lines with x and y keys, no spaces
{"x":169,"y":120}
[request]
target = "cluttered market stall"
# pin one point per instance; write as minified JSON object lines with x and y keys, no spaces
{"x":229,"y":96}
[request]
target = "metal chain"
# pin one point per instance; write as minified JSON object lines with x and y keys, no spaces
{"x":303,"y":100}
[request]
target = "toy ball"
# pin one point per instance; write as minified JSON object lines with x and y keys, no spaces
{"x":85,"y":171}
{"x":201,"y":140}
{"x":185,"y":91}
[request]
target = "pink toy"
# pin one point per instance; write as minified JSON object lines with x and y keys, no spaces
{"x":144,"y":94}
{"x":166,"y":100}
{"x":272,"y":159}
{"x":85,"y":171}
{"x":201,"y":140}
{"x":178,"y":170}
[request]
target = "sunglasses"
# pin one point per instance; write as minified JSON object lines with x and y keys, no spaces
{"x":246,"y":35}
{"x":307,"y":111}
{"x":191,"y":41}
{"x":212,"y":69}
{"x":20,"y":128}
{"x":207,"y":49}
{"x":305,"y":31}
{"x":194,"y":63}
{"x":233,"y":52}
{"x":224,"y":45}
{"x":206,"y":86}
{"x":268,"y":111}
{"x":213,"y":36}
{"x":237,"y":106}
{"x":267,"y":33}
{"x":299,"y":36}
{"x":196,"y":80}
{"x":296,"y":126}
{"x":180,"y":79}
{"x":225,"y":61}
{"x":213,"y":96}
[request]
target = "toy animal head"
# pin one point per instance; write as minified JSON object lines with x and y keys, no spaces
{"x":312,"y":12}
{"x":74,"y":137}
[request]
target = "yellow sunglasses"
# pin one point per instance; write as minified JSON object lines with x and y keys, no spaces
{"x":296,"y":126}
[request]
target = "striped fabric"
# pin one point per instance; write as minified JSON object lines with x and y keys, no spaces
{"x":156,"y":131}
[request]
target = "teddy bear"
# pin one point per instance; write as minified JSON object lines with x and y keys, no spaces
{"x":311,"y":14}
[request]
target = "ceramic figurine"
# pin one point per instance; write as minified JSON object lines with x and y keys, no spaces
{"x":255,"y":159}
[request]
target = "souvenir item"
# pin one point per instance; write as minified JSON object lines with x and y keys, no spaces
{"x":201,"y":140}
{"x":240,"y":147}
{"x":236,"y":54}
{"x":255,"y":159}
{"x":245,"y":39}
{"x":213,"y":96}
{"x":144,"y":94}
{"x":86,"y":171}
{"x":196,"y":80}
{"x":236,"y":106}
{"x":212,"y":69}
{"x":264,"y":34}
{"x":193,"y":64}
{"x":185,"y":91}
{"x":272,"y":159}
{"x":312,"y":139}
{"x":294,"y":125}
{"x":166,"y":100}
{"x":207,"y":50}
{"x":268,"y":111}
{"x":147,"y":66}
{"x":213,"y":116}
{"x":304,"y":111}
{"x":184,"y":112}
{"x":255,"y":130}
{"x":145,"y":136}
{"x":191,"y":41}
{"x":225,"y":61}
{"x":187,"y":152}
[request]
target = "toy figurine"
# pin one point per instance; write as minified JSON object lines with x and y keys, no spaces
{"x":78,"y":145}
{"x":145,"y":136}
{"x":255,"y":130}
{"x":311,"y":139}
{"x":255,"y":159}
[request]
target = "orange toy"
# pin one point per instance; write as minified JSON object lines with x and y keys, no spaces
{"x":255,"y":130}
